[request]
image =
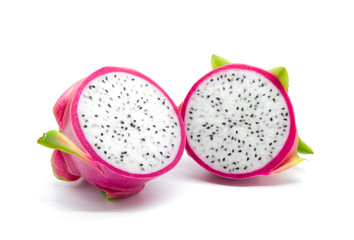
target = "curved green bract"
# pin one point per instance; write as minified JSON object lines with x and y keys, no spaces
{"x":289,"y":163}
{"x":217,"y":61}
{"x":303,"y":147}
{"x":282,"y":75}
{"x":56,"y":140}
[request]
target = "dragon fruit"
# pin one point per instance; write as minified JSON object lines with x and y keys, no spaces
{"x":240,"y":122}
{"x":118,"y":130}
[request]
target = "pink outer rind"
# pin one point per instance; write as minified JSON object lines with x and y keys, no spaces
{"x":114,"y":181}
{"x":61,"y":107}
{"x":284,"y":153}
{"x":60,"y":167}
{"x":122,"y":194}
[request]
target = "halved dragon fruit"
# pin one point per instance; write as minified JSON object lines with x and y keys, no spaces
{"x":119,"y":129}
{"x":240,"y":122}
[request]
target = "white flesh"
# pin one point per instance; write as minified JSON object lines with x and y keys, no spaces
{"x":129,"y":123}
{"x":230,"y":128}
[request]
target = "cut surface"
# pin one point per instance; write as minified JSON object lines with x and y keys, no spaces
{"x":236,"y":121}
{"x":129,"y":122}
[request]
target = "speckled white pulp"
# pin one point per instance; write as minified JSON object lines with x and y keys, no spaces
{"x":237,"y":121}
{"x":129,"y":123}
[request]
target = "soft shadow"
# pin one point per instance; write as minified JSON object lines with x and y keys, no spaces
{"x":192,"y":171}
{"x":271,"y":180}
{"x":82,"y":196}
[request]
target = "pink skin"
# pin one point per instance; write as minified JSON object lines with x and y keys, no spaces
{"x":60,"y":167}
{"x":115,"y":182}
{"x":285,"y":159}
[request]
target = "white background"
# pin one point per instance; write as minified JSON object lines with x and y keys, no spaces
{"x":45,"y":46}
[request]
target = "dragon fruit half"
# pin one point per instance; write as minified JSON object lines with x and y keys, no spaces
{"x":240,"y":122}
{"x":118,"y":130}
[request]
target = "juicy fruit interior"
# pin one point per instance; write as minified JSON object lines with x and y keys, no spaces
{"x":129,"y":123}
{"x":236,"y":121}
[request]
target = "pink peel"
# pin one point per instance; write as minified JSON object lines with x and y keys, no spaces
{"x":70,"y":166}
{"x":60,"y":168}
